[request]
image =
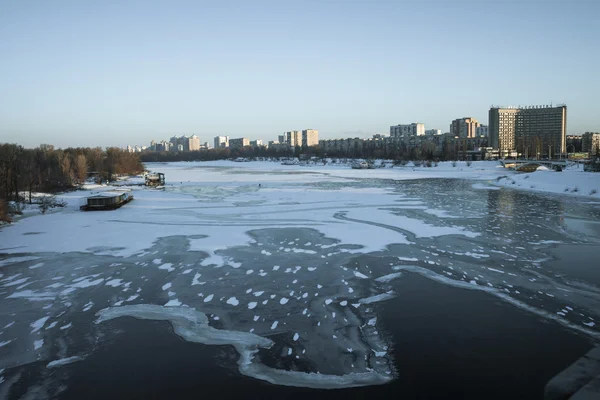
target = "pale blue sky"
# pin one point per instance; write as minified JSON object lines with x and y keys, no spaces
{"x":87,"y":73}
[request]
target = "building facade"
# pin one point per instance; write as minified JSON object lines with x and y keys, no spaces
{"x":405,"y":130}
{"x":482,"y":130}
{"x":239,"y":143}
{"x":221,"y":142}
{"x":292,"y":138}
{"x":574,"y":143}
{"x":590,"y":142}
{"x":310,"y":137}
{"x":464,"y":127}
{"x":535,"y":131}
{"x":304,"y":138}
{"x":194,"y":143}
{"x":433,"y":132}
{"x":181,"y":142}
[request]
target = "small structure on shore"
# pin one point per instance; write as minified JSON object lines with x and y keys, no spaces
{"x":592,"y":166}
{"x":155,"y":179}
{"x":362,"y":165}
{"x":106,"y":201}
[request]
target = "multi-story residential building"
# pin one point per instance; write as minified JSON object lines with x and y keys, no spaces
{"x":221,"y":141}
{"x":433,"y":132}
{"x":538,"y":131}
{"x":256,"y":143}
{"x":414,"y":129}
{"x":239,"y":143}
{"x":306,"y":137}
{"x":574,"y":143}
{"x":162,"y":146}
{"x":194,"y":143}
{"x":464,"y":127}
{"x":292,"y":138}
{"x":310,"y":137}
{"x":481,"y":130}
{"x":184,"y":141}
{"x":343,"y":145}
{"x":380,"y":136}
{"x":590,"y":142}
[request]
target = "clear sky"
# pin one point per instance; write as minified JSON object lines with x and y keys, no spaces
{"x":112,"y":73}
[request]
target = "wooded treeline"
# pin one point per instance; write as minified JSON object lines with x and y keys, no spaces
{"x":46,"y":169}
{"x":216,"y":154}
{"x":357,"y":148}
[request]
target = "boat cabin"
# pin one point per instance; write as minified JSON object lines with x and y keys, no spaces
{"x":155,"y":179}
{"x":106,"y":201}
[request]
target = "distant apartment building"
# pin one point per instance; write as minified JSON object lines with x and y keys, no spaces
{"x":182,"y":141}
{"x":590,"y":142}
{"x":464,"y":127}
{"x":194,"y":143}
{"x":574,"y":144}
{"x":310,"y":137}
{"x":162,"y":146}
{"x":221,"y":142}
{"x":379,"y":136}
{"x":239,"y":143}
{"x":433,"y":132}
{"x":342,"y":145}
{"x":256,"y":143}
{"x":535,"y":131}
{"x":304,"y":138}
{"x":292,"y":138}
{"x":406,"y":130}
{"x":358,"y":146}
{"x":482,"y":130}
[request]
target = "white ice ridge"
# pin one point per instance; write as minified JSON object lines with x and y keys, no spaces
{"x":63,"y":361}
{"x":192,"y":325}
{"x":466,"y":285}
{"x":378,"y":297}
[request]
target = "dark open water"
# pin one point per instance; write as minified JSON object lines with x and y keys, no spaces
{"x":447,"y":342}
{"x":450,"y":343}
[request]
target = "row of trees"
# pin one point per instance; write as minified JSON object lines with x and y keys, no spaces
{"x":46,"y":169}
{"x":219,"y":154}
{"x":427,"y":151}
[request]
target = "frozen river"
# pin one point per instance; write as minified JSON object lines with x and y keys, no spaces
{"x":293,"y":267}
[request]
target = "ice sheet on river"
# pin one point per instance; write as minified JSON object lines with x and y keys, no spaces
{"x":300,"y":262}
{"x":193,"y":326}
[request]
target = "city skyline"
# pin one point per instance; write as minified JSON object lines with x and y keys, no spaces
{"x":82,"y":74}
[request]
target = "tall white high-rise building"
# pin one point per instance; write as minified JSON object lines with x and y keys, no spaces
{"x":193,"y":143}
{"x":310,"y":137}
{"x":221,"y":141}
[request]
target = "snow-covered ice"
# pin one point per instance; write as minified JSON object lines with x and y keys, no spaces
{"x":315,"y":247}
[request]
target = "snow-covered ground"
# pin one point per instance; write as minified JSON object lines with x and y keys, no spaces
{"x":289,"y":258}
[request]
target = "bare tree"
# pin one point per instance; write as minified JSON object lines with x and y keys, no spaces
{"x":81,"y":168}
